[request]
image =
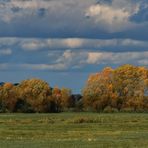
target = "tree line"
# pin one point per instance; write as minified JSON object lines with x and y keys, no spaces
{"x":122,"y":89}
{"x":33,"y":95}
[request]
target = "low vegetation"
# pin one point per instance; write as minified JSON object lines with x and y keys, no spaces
{"x":74,"y":130}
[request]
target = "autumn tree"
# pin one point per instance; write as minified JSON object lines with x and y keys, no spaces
{"x":8,"y":97}
{"x":130,"y":85}
{"x":65,"y":98}
{"x":99,"y":90}
{"x":124,"y":87}
{"x":35,"y":92}
{"x":56,"y":96}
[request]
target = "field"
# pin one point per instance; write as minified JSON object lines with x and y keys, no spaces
{"x":74,"y":130}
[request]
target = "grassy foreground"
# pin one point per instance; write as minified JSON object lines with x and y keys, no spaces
{"x":74,"y":130}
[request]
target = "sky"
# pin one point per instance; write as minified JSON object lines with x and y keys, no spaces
{"x":63,"y":41}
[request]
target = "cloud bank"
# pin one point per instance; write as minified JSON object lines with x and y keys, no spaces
{"x":71,"y":36}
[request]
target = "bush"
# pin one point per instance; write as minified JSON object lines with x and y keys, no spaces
{"x":2,"y":108}
{"x":127,"y":110}
{"x":23,"y":107}
{"x":84,"y":120}
{"x":79,"y":105}
{"x":109,"y":109}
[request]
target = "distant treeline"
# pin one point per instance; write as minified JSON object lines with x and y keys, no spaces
{"x":35,"y":95}
{"x":111,"y":90}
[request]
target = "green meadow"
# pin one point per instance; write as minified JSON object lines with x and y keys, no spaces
{"x":74,"y":130}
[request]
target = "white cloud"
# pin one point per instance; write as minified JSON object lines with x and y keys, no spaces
{"x":73,"y":43}
{"x":67,"y":55}
{"x":9,"y":41}
{"x":79,"y":59}
{"x":129,"y":42}
{"x":66,"y":18}
{"x":108,"y":14}
{"x":117,"y":58}
{"x":6,"y":51}
{"x":143,"y":62}
{"x":26,"y":66}
{"x":114,"y":17}
{"x":70,"y":60}
{"x":31,"y":8}
{"x":58,"y":66}
{"x":33,"y":45}
{"x":94,"y":57}
{"x":3,"y":66}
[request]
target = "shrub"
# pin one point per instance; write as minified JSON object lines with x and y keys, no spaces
{"x":79,"y":105}
{"x":84,"y":120}
{"x":23,"y":107}
{"x":127,"y":109}
{"x":109,"y":109}
{"x":2,"y":107}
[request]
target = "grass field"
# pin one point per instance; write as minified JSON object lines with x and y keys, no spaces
{"x":74,"y":130}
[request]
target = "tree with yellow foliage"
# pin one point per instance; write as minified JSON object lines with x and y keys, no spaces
{"x":8,"y":97}
{"x":124,"y":87}
{"x":65,"y":98}
{"x":35,"y":92}
{"x":98,"y":91}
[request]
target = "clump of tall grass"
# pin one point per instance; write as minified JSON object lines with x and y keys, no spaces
{"x":46,"y":120}
{"x":78,"y":120}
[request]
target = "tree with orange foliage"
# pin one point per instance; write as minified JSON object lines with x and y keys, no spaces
{"x":124,"y":87}
{"x":8,"y":97}
{"x":130,"y":85}
{"x":56,"y":95}
{"x":99,"y":90}
{"x":65,"y":98}
{"x":35,"y":92}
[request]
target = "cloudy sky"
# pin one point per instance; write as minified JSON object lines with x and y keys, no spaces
{"x":63,"y":41}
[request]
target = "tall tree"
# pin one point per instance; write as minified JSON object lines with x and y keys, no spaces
{"x":99,"y":90}
{"x":130,"y":85}
{"x":65,"y":98}
{"x":124,"y":87}
{"x":8,"y":97}
{"x":35,"y":92}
